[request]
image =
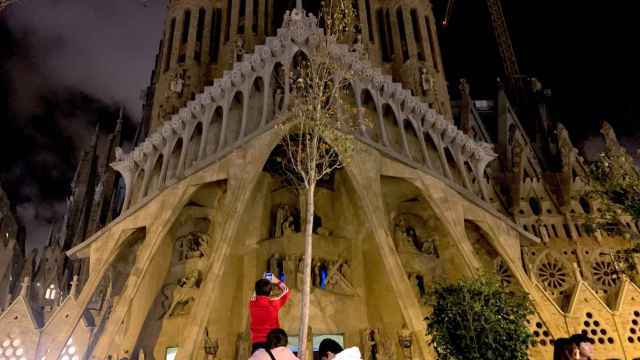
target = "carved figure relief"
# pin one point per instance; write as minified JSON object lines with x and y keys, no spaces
{"x":405,"y":340}
{"x":419,"y":286}
{"x":166,"y":300}
{"x":373,"y":346}
{"x":190,"y":281}
{"x":192,"y":245}
{"x":182,"y":307}
{"x":282,"y":213}
{"x":276,"y":265}
{"x":426,"y":81}
{"x":410,"y":235}
{"x":178,"y":298}
{"x":211,"y":346}
{"x":284,"y":222}
{"x":334,"y":275}
{"x":177,"y":84}
{"x":239,"y":49}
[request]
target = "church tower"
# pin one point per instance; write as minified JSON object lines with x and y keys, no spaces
{"x":171,"y":242}
{"x":203,"y":38}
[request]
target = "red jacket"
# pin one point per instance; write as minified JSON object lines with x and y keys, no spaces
{"x":264,"y":314}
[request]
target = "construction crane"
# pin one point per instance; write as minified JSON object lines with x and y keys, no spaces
{"x":505,"y":47}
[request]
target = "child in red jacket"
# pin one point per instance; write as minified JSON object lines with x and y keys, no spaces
{"x":264,"y":310}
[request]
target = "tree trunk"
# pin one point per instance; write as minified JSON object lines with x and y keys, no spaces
{"x":306,"y":287}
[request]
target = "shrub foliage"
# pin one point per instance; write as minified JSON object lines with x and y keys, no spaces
{"x":478,"y":319}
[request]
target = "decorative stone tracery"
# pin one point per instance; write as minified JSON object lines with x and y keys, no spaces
{"x":299,"y":32}
{"x":553,"y":274}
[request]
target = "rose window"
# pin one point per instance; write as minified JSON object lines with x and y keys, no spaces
{"x":11,"y":349}
{"x":70,"y":351}
{"x":604,"y":273}
{"x":504,"y":274}
{"x":553,"y":275}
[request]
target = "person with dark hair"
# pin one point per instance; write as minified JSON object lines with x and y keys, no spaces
{"x":276,"y":347}
{"x":329,"y":349}
{"x":584,"y":344}
{"x":264,"y":309}
{"x":564,"y":349}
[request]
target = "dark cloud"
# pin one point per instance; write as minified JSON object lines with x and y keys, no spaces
{"x":66,"y":66}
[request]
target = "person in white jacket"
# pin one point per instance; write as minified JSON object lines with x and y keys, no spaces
{"x":330,"y":350}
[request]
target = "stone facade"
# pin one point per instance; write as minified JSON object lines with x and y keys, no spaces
{"x":438,"y":192}
{"x":11,"y":251}
{"x":203,"y":39}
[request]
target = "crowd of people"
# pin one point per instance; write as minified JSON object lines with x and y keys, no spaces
{"x":576,"y":347}
{"x":269,"y":341}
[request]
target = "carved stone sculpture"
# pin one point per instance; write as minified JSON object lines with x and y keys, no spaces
{"x":211,"y":346}
{"x":426,"y":81}
{"x":182,"y":307}
{"x":405,"y":340}
{"x":192,"y":245}
{"x":239,"y":49}
{"x":402,"y":240}
{"x":288,"y":226}
{"x":274,"y":265}
{"x":282,"y":214}
{"x":372,"y":345}
{"x":190,"y":281}
{"x":177,"y":84}
{"x":166,"y":301}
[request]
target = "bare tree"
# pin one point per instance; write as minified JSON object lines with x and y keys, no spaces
{"x":318,"y":126}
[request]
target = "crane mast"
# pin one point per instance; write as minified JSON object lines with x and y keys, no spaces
{"x":503,"y":39}
{"x":505,"y":46}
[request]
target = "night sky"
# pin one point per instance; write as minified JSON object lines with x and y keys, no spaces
{"x":67,"y":64}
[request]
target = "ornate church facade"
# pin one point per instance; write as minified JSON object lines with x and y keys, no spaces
{"x":158,"y":253}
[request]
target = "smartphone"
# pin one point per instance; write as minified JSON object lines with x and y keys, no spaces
{"x":268,"y":276}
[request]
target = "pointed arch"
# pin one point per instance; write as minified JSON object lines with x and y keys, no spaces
{"x":433,"y":153}
{"x":234,"y":119}
{"x":454,"y":170}
{"x":370,"y":116}
{"x":193,"y":147}
{"x":255,"y":104}
{"x":214,"y":132}
{"x":414,"y":144}
{"x":173,"y":160}
{"x":474,"y":183}
{"x":138,"y":186}
{"x":117,"y":200}
{"x":391,"y":128}
{"x":277,"y":85}
{"x":155,"y":179}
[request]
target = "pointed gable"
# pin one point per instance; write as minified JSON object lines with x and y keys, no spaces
{"x":22,"y":335}
{"x":79,"y":341}
{"x":628,"y":317}
{"x":589,"y":315}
